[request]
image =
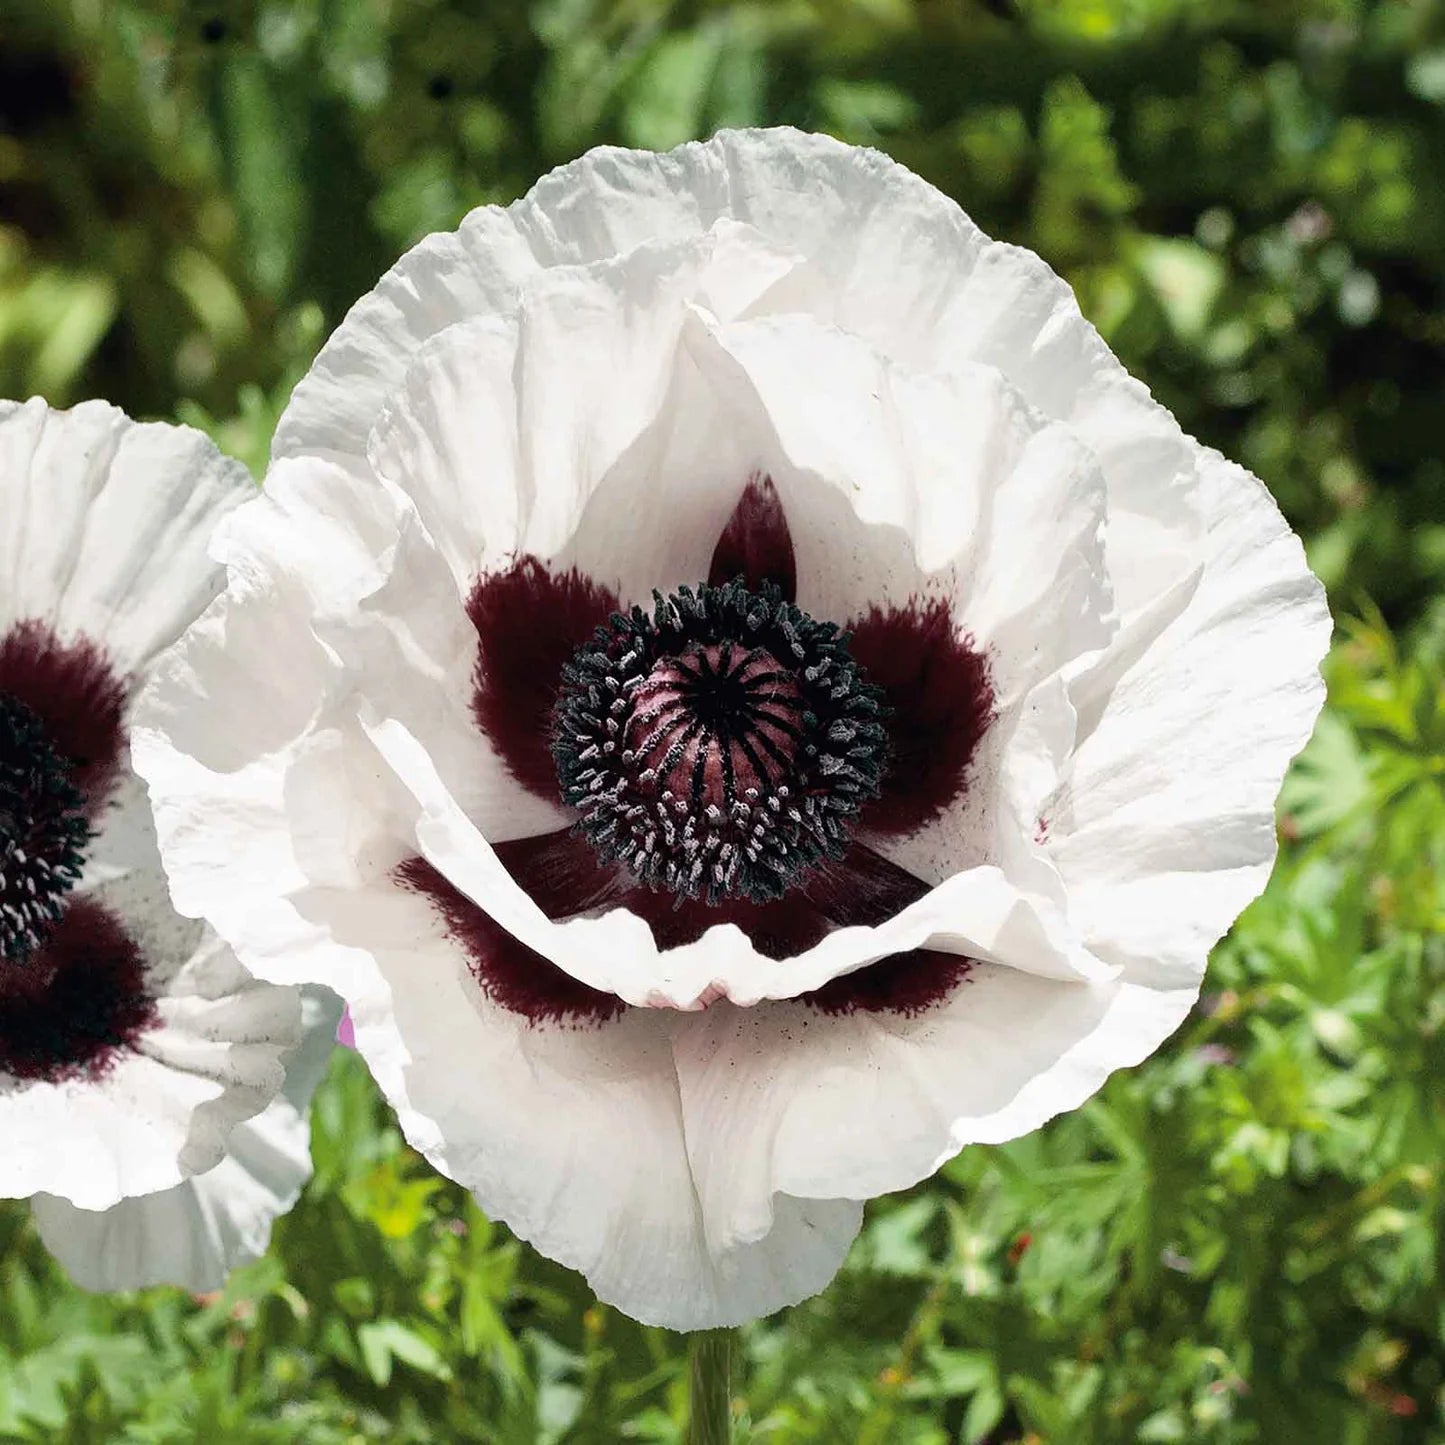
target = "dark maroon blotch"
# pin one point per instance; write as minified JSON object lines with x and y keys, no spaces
{"x":78,"y":697}
{"x":513,"y":976}
{"x":561,"y":874}
{"x":756,"y":544}
{"x":71,"y":1008}
{"x":529,"y":624}
{"x":782,"y":928}
{"x":942,"y":698}
{"x":863,"y":889}
{"x":904,"y":983}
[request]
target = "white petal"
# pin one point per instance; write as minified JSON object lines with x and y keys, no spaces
{"x":444,"y":279}
{"x":576,"y":429}
{"x":573,"y":1137}
{"x":787,"y":1100}
{"x":164,"y":1110}
{"x":104,"y":524}
{"x":1165,"y":829}
{"x":194,"y":1234}
{"x":976,"y":481}
{"x":889,"y":258}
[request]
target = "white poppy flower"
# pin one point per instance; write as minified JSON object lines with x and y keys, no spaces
{"x":133,"y":1043}
{"x":677,"y":932}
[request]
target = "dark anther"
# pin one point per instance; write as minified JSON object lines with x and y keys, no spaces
{"x":43,"y":831}
{"x":719,"y":746}
{"x":213,"y":30}
{"x":441,"y":87}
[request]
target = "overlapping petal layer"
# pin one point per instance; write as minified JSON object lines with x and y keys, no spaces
{"x":196,"y":1232}
{"x":586,"y":385}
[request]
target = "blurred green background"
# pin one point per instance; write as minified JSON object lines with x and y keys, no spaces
{"x":1239,"y":1242}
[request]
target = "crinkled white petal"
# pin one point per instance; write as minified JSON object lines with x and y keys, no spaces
{"x":503,"y":430}
{"x":163,"y":1109}
{"x":574,"y":1138}
{"x":194,"y":1234}
{"x":785,"y":1100}
{"x":104,"y":524}
{"x":888,"y":258}
{"x":1164,"y":829}
{"x":979,"y":912}
{"x":953,"y":461}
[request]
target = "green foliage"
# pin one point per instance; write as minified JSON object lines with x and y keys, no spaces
{"x":1236,"y":1244}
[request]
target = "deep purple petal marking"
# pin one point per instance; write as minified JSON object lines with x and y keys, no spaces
{"x":942,"y":698}
{"x":903,"y":983}
{"x":865,"y":889}
{"x":529,"y":624}
{"x":79,"y":698}
{"x":779,"y":929}
{"x":756,"y":544}
{"x":70,"y":1008}
{"x":560,"y":872}
{"x":513,"y":976}
{"x":862,"y":889}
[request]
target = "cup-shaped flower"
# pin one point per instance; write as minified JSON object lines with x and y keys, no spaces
{"x":141,"y":1064}
{"x":744,"y":696}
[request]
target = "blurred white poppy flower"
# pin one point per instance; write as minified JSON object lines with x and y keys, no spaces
{"x":135,"y":1049}
{"x":743,"y":696}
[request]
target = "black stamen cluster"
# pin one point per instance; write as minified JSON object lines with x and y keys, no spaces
{"x":720,"y":745}
{"x":43,"y":831}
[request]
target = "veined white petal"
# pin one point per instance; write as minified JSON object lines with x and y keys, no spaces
{"x":1164,"y":830}
{"x":889,"y":259}
{"x":104,"y":526}
{"x":788,"y":1101}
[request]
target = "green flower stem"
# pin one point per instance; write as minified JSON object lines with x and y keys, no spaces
{"x":709,"y":1357}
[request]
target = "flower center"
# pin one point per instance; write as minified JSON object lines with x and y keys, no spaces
{"x":720,"y":746}
{"x":43,"y":831}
